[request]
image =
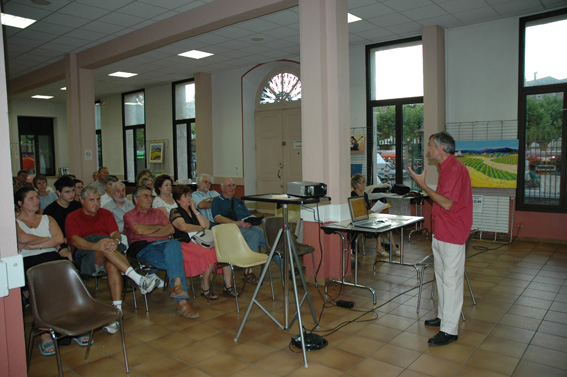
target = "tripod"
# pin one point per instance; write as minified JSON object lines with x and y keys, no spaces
{"x":290,"y":260}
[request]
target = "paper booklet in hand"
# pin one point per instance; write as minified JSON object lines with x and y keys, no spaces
{"x":253,"y":220}
{"x":379,"y":206}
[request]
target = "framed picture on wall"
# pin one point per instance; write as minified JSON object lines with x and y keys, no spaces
{"x":156,"y":152}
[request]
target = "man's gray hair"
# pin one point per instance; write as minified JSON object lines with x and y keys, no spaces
{"x":446,"y":141}
{"x":89,"y":190}
{"x":110,"y":179}
{"x":116,"y":184}
{"x":224,"y":179}
{"x":203,"y":175}
{"x":137,"y":190}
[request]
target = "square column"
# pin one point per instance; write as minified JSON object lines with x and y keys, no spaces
{"x":80,"y":119}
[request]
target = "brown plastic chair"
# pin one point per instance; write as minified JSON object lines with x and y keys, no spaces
{"x":61,"y":304}
{"x":272,"y":226}
{"x":232,"y":250}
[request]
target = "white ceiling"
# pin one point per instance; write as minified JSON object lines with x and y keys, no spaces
{"x":71,"y":26}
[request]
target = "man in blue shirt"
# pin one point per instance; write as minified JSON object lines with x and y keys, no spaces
{"x":227,"y":209}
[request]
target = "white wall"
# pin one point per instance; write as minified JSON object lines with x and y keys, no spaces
{"x":39,"y":108}
{"x":482,"y":71}
{"x":111,"y":130}
{"x":227,"y":124}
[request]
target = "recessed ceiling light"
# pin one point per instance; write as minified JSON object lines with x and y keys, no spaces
{"x":15,"y":21}
{"x":352,"y":18}
{"x":123,"y":74}
{"x":41,"y":2}
{"x":257,"y":39}
{"x":195,"y":54}
{"x":38,"y":96}
{"x":63,"y":88}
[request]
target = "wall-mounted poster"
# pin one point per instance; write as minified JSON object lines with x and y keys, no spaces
{"x":357,"y":144}
{"x":156,"y":152}
{"x":491,"y":163}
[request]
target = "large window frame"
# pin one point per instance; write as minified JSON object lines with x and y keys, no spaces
{"x":184,"y":136}
{"x":98,"y":131}
{"x":139,"y":143}
{"x":527,"y":174}
{"x":398,"y":103}
{"x":40,"y":149}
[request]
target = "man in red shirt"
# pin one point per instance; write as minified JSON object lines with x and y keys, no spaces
{"x":451,"y":219}
{"x":93,"y":235}
{"x":148,"y":231}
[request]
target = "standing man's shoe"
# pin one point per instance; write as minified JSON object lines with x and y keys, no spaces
{"x":435,"y":322}
{"x":442,"y":339}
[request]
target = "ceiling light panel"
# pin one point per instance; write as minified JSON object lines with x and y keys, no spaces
{"x":195,"y":54}
{"x":16,"y":21}
{"x":39,"y":96}
{"x":122,"y":74}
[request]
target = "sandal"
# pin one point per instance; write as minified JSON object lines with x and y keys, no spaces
{"x":250,"y":278}
{"x":230,"y":292}
{"x":206,"y":293}
{"x":83,"y":340}
{"x":44,"y":348}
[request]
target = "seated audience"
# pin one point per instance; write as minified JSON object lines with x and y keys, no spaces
{"x":164,"y":200}
{"x":39,"y":240}
{"x":45,"y":197}
{"x":143,"y":174}
{"x":64,"y":205}
{"x":99,"y":180}
{"x":148,"y":231}
{"x":119,"y":205}
{"x":149,"y":183}
{"x":22,"y":180}
{"x":93,"y":235}
{"x":358,"y":183}
{"x":228,"y":209}
{"x":186,"y":219}
{"x":78,"y":188}
{"x":107,"y":197}
{"x":204,"y":196}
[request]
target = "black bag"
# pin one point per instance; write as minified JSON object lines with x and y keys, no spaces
{"x":400,"y":189}
{"x":135,"y":248}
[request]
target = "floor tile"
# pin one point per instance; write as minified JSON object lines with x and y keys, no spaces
{"x":493,"y":361}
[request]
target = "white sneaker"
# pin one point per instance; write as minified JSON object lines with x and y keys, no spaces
{"x":148,"y":283}
{"x":161,"y":282}
{"x":112,"y":328}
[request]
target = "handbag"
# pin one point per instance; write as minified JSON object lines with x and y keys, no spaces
{"x":204,"y":238}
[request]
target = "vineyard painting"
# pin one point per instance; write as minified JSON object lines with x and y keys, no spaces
{"x":492,"y":163}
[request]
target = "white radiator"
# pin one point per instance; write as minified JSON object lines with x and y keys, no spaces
{"x":492,"y":213}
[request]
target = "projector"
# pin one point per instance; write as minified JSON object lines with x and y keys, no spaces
{"x":305,"y":189}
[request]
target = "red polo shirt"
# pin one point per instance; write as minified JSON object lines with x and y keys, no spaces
{"x":78,"y":223}
{"x":453,"y":226}
{"x":134,"y":217}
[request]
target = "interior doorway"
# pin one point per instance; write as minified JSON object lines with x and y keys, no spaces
{"x":278,"y":151}
{"x":277,"y":123}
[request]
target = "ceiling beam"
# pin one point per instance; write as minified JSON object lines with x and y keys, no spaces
{"x":201,"y":20}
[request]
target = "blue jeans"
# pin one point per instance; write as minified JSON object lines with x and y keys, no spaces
{"x":165,"y":255}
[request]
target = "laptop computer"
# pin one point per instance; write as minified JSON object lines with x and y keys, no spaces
{"x":359,"y":215}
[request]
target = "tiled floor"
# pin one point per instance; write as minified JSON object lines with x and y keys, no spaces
{"x":518,"y":328}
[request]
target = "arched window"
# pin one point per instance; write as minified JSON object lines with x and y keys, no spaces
{"x":283,"y":87}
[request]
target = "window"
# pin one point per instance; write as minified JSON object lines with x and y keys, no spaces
{"x":395,"y":111}
{"x":283,"y":87}
{"x":185,"y":137}
{"x":36,"y":145}
{"x":542,"y":117}
{"x":134,"y":119}
{"x":98,"y":127}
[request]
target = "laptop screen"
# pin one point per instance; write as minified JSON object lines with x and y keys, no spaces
{"x":357,"y":207}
